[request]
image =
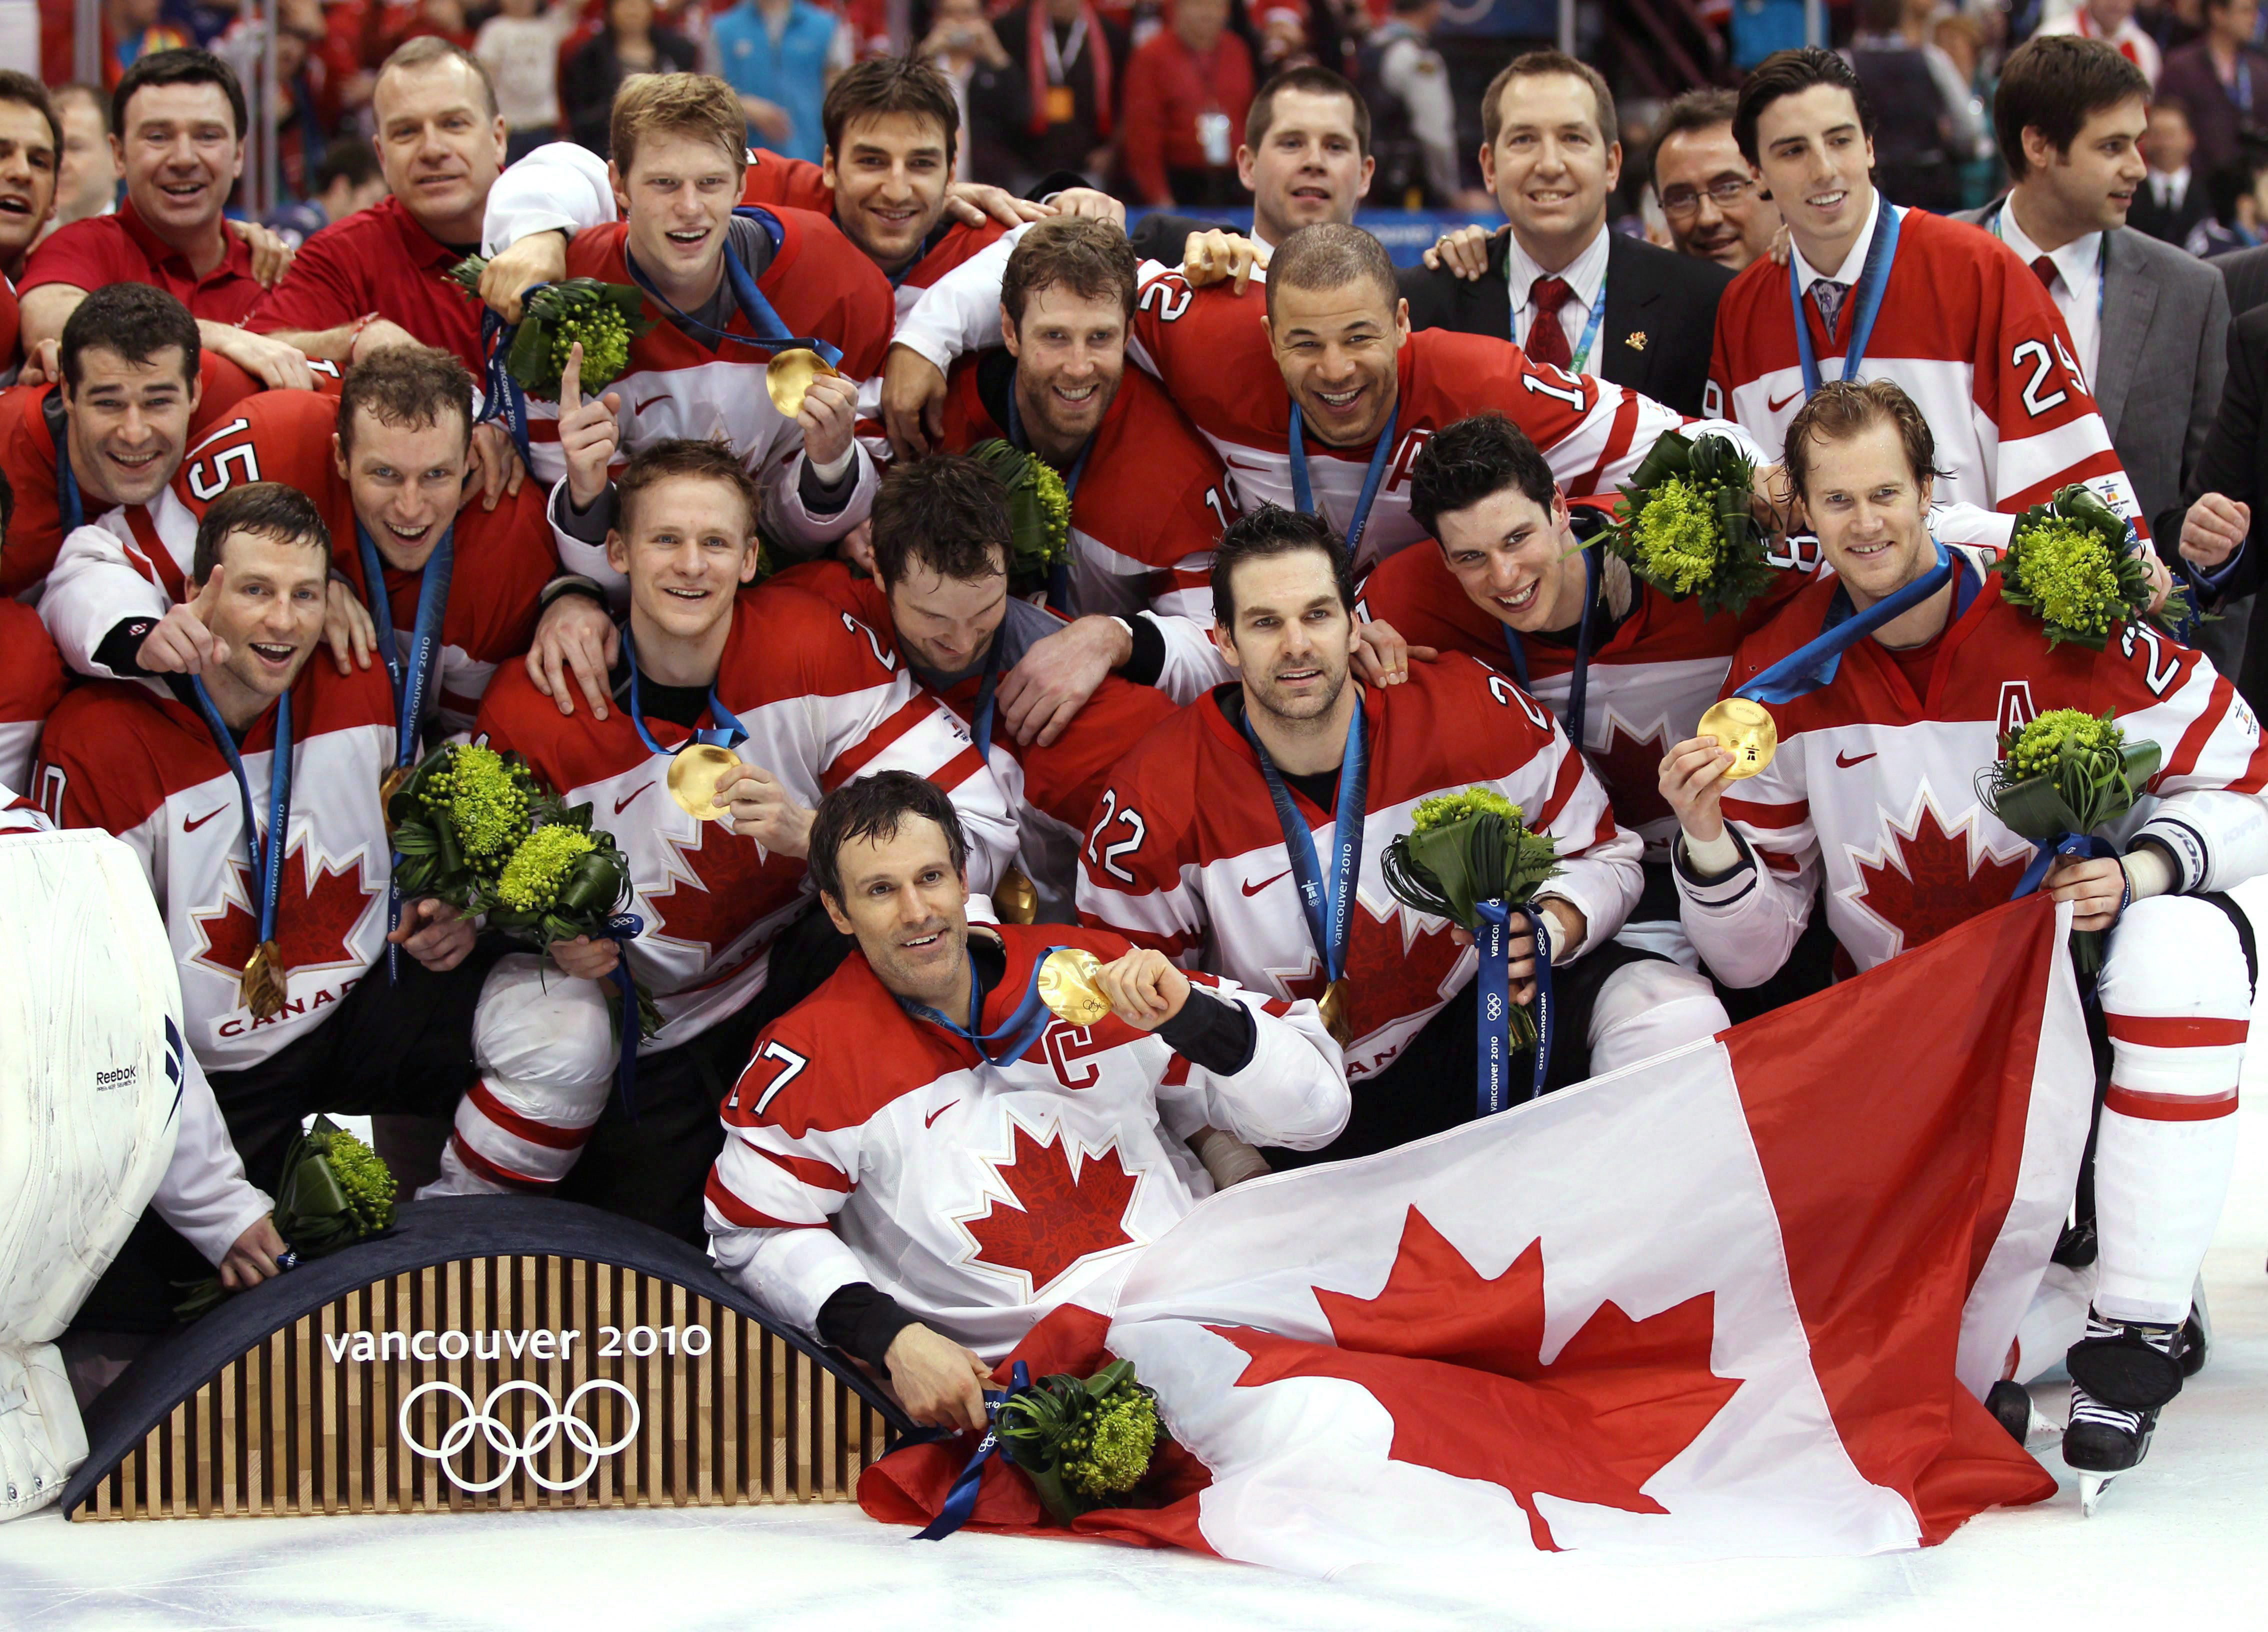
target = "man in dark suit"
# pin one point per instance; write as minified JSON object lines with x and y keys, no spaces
{"x":2231,"y":478}
{"x":1557,"y":283}
{"x":2172,"y":198}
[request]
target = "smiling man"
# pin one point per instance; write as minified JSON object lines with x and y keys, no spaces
{"x":807,"y":698}
{"x":178,"y":120}
{"x":31,"y":143}
{"x":1557,"y":283}
{"x":1714,"y":204}
{"x":1874,"y":786}
{"x":379,"y":278}
{"x":1214,"y":834}
{"x":878,"y":1118}
{"x":1873,"y":291}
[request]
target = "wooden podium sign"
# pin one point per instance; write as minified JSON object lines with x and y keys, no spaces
{"x":516,"y":1381}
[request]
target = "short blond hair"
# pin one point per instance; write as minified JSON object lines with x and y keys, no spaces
{"x":699,"y":105}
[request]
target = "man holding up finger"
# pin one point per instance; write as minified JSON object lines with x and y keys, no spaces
{"x":1874,"y":784}
{"x":896,"y":1176}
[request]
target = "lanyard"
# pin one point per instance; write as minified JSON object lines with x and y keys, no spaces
{"x":1577,"y":682}
{"x":1060,"y":57}
{"x":1867,"y":300}
{"x":1059,"y":579}
{"x":771,"y":332}
{"x":1303,"y":494}
{"x":728,"y":733}
{"x":409,"y":679}
{"x":1814,"y":665}
{"x":68,"y":505}
{"x":266,"y":859}
{"x":1577,"y":364}
{"x":986,"y":701}
{"x":1328,"y":901}
{"x":1015,"y":1036}
{"x":502,"y":397}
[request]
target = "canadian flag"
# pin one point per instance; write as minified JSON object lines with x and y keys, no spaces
{"x":1741,"y":1299}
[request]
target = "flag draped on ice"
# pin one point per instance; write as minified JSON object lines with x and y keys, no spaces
{"x":1743,"y":1298}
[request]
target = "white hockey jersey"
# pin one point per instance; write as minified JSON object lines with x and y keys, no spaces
{"x":865,"y":1145}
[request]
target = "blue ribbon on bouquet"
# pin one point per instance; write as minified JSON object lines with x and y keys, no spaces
{"x":1813,"y":664}
{"x":501,"y":395}
{"x":961,"y":1501}
{"x":409,"y":678}
{"x":1492,"y":1008}
{"x":622,"y":928}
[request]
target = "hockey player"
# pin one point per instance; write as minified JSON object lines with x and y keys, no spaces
{"x":1948,"y":310}
{"x":726,"y":291}
{"x":250,"y":793}
{"x":31,"y":682}
{"x":1334,"y":363}
{"x":1874,"y":782}
{"x":921,"y":1161}
{"x":807,"y":698}
{"x":1201,"y":845}
{"x":387,"y":465}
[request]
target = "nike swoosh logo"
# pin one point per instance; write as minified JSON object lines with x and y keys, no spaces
{"x":1845,"y":762}
{"x":1251,"y":890}
{"x":931,"y":1119}
{"x":640,"y":408}
{"x":1771,"y":406}
{"x":191,"y":827}
{"x":622,"y":804}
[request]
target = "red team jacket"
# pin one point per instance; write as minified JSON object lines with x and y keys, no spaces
{"x":31,"y":685}
{"x":1185,"y":853}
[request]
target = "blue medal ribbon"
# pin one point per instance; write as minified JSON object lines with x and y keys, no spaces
{"x":69,"y":507}
{"x":410,"y":679}
{"x":727,"y":733}
{"x":1579,"y":681}
{"x":264,"y":856}
{"x":987,"y":701}
{"x":771,"y":334}
{"x":1866,"y":300}
{"x":961,"y":1501}
{"x":502,"y":397}
{"x":1813,"y":664}
{"x":1303,"y":494}
{"x":1015,"y":1036}
{"x":1493,"y":1005}
{"x":622,"y":928}
{"x":1058,"y":579}
{"x":1327,"y":901}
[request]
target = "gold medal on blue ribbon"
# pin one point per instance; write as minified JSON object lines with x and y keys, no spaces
{"x":1068,"y":986}
{"x":1746,"y":731}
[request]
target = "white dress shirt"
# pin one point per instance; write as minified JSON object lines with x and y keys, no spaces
{"x":2170,"y":188}
{"x":1586,"y":275}
{"x":1853,"y":262}
{"x":2078,"y":287}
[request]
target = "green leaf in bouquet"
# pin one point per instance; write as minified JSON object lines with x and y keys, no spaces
{"x":2071,"y":564}
{"x":1684,"y":526}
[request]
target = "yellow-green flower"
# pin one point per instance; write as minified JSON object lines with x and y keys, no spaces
{"x":486,"y":801}
{"x":531,"y":879}
{"x":363,"y":1176}
{"x":1678,"y":537}
{"x":1114,"y":1445}
{"x":2067,"y":571}
{"x":1444,"y":808}
{"x":2040,"y":746}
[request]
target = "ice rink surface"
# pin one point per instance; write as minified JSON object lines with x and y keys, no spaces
{"x":2182,"y":1544}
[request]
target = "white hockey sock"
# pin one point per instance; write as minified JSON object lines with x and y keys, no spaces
{"x":546,"y":1047}
{"x":1645,"y":1008}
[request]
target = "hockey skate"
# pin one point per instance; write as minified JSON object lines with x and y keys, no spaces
{"x":2121,"y":1376}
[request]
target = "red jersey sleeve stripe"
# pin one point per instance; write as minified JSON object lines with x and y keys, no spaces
{"x":2169,"y":1107}
{"x":1753,"y":815}
{"x":1617,"y":444}
{"x":2178,"y":1031}
{"x":491,"y":1171}
{"x":876,"y":743}
{"x":1562,"y":789}
{"x":805,"y":1170}
{"x":739,"y":1212}
{"x":524,"y":1128}
{"x":2183,"y":761}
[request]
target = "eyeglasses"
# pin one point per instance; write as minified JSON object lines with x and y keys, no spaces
{"x":1723,"y":192}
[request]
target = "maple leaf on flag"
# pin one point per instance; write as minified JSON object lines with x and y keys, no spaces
{"x":315,"y":920}
{"x":1924,"y":884}
{"x":1059,"y":1217}
{"x":1456,"y":1357}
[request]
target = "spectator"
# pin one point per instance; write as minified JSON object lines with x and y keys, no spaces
{"x":132,"y":30}
{"x":2219,"y":79}
{"x":519,"y":47}
{"x":87,"y":183}
{"x":629,"y":44}
{"x":2239,"y":192}
{"x":30,"y":145}
{"x":1186,"y":93}
{"x":2112,"y":20}
{"x":1715,"y":207}
{"x":1927,"y":123}
{"x":780,"y":56}
{"x":381,"y":279}
{"x":961,"y":46}
{"x":2213,"y":537}
{"x":2171,"y":202}
{"x":348,"y":179}
{"x":1069,"y":62}
{"x":181,"y":118}
{"x":1412,"y":124}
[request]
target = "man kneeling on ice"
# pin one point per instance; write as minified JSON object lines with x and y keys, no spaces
{"x":923,"y":1158}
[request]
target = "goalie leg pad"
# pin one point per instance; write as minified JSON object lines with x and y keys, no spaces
{"x":545,"y":1044}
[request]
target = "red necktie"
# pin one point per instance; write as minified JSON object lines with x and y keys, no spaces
{"x":2044,"y":269}
{"x":1547,"y":341}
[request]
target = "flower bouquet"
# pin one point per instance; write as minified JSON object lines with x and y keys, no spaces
{"x":2068,"y":774}
{"x":1082,"y":1441}
{"x":1466,"y":849}
{"x":605,"y":317}
{"x":2070,"y":565}
{"x":1685,"y":525}
{"x":1038,"y":513}
{"x":334,"y":1191}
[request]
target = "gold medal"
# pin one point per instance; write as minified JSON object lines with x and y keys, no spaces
{"x":1746,"y":731}
{"x":1067,"y":986}
{"x":264,"y":984}
{"x":1332,"y":1006}
{"x":389,"y":785}
{"x":694,"y":774}
{"x":788,"y":376}
{"x":1014,"y":900}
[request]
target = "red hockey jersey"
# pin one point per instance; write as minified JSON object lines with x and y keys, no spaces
{"x":822,"y":702}
{"x":1186,"y":855}
{"x":129,"y":757}
{"x":865,"y":1145}
{"x":1877,"y":786}
{"x":31,"y":685}
{"x":1646,"y":684}
{"x":1977,"y":342}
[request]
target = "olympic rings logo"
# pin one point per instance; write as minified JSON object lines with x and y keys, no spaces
{"x":501,"y":1440}
{"x":1495,"y":1007}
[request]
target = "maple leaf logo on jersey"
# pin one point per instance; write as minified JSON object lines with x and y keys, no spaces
{"x":1059,"y":1217}
{"x":1457,"y":1359}
{"x":1630,"y":769}
{"x":1392,"y":970}
{"x":720,"y":894}
{"x":1923,"y":883}
{"x":315,"y":919}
